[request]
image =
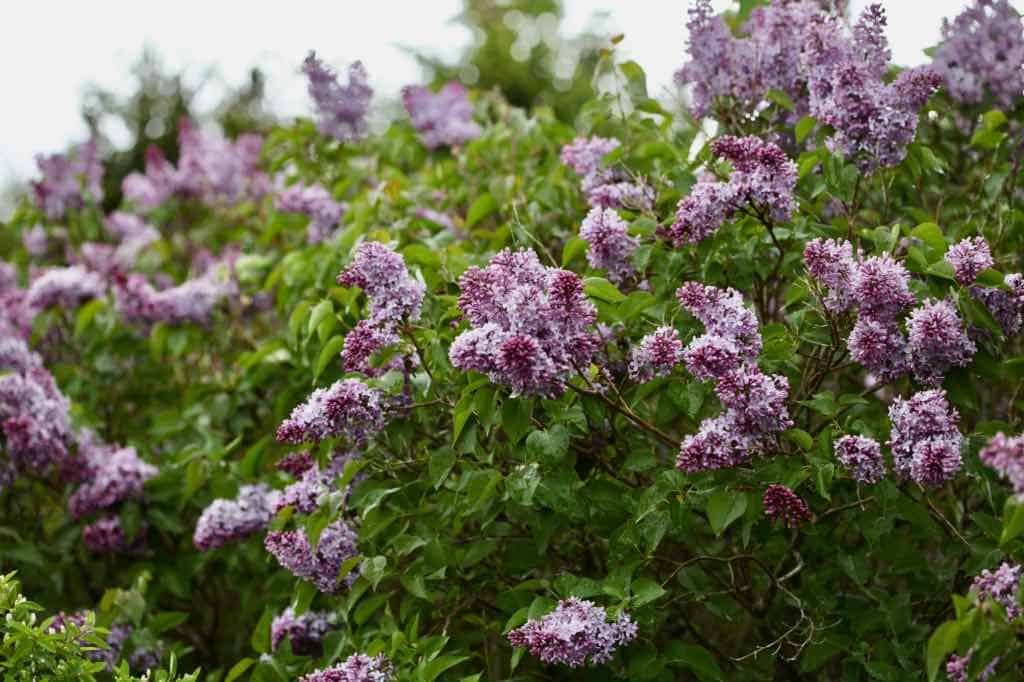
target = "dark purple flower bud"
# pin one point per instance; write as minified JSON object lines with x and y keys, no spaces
{"x":782,"y":504}
{"x":362,"y":343}
{"x":105,"y":536}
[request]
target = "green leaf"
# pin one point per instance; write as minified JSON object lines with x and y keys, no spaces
{"x":602,"y":289}
{"x":573,"y":248}
{"x":484,"y":206}
{"x":799,"y":437}
{"x":804,"y":127}
{"x":439,"y":466}
{"x":439,"y":665}
{"x":522,"y":483}
{"x":824,"y":403}
{"x":260,"y":639}
{"x":940,"y":645}
{"x":636,"y":303}
{"x":724,"y":507}
{"x":1013,"y":523}
{"x":931,"y":235}
{"x":374,"y":569}
{"x":515,"y":417}
{"x":943,"y":269}
{"x":239,"y":668}
{"x":549,"y":447}
{"x":636,"y":79}
{"x":321,"y":312}
{"x":696,"y":658}
{"x":329,"y":352}
{"x":645,"y":591}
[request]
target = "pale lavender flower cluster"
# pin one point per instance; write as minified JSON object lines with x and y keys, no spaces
{"x":938,"y":341}
{"x":782,"y":504}
{"x":881,"y":289}
{"x":763,"y":178}
{"x":313,"y":483}
{"x":605,"y":187}
{"x":382,"y":275}
{"x":444,"y":118}
{"x":531,"y":324}
{"x":957,"y":666}
{"x":65,"y":287}
{"x":104,"y":536}
{"x":1006,"y":456}
{"x":35,"y":241}
{"x":577,"y":632}
{"x":355,"y":668}
{"x":1001,"y":585}
{"x":210,"y":167}
{"x":224,"y":520}
{"x":830,"y":262}
{"x":925,"y":440}
{"x":655,"y":355}
{"x":862,"y":457}
{"x":194,"y":300}
{"x":69,"y":180}
{"x":341,"y":109}
{"x":347,"y":408}
{"x":754,"y":402}
{"x":1007,"y":307}
{"x":315,"y":202}
{"x":305,"y":632}
{"x":982,"y":53}
{"x":319,"y":566}
{"x":609,"y":244}
{"x":969,"y":257}
{"x":111,"y":474}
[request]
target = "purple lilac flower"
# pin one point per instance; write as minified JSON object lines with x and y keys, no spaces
{"x":34,"y":413}
{"x":69,"y":180}
{"x":381,"y":273}
{"x":881,"y":288}
{"x":194,"y":300}
{"x":305,"y":632}
{"x":114,"y":474}
{"x":938,"y":341}
{"x":228,"y":520}
{"x":341,"y":109}
{"x":1007,"y":307}
{"x":610,"y":246}
{"x":577,"y":632}
{"x":862,"y":457}
{"x":315,"y":202}
{"x":724,"y":314}
{"x":1006,"y":456}
{"x":444,"y":118}
{"x":356,"y":668}
{"x":757,"y":400}
{"x":65,"y":287}
{"x":830,"y":262}
{"x":295,"y":463}
{"x":8,"y":275}
{"x":35,"y":241}
{"x":968,"y":258}
{"x":956,"y":667}
{"x":982,"y":53}
{"x":362,"y":343}
{"x":1001,"y":585}
{"x":925,"y":440}
{"x":718,"y":444}
{"x":105,"y":536}
{"x":655,"y":355}
{"x":312,"y":484}
{"x":337,"y":545}
{"x":782,"y":504}
{"x":605,"y":187}
{"x":711,"y":356}
{"x":347,"y":408}
{"x":584,"y":155}
{"x":531,"y":325}
{"x":880,"y":347}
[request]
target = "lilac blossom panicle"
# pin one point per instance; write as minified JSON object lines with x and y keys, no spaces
{"x":881,"y":288}
{"x":982,"y":53}
{"x":830,"y":262}
{"x":1007,"y":307}
{"x":315,"y":202}
{"x":531,"y":325}
{"x":782,"y":504}
{"x":925,"y":440}
{"x":584,"y":155}
{"x":341,"y":109}
{"x":757,"y":400}
{"x":609,"y":244}
{"x":362,"y":343}
{"x":880,"y":347}
{"x":577,"y":632}
{"x":724,"y":314}
{"x":65,"y":287}
{"x":938,"y":341}
{"x":969,"y":257}
{"x":348,"y":408}
{"x":711,"y":356}
{"x":105,"y":536}
{"x":957,"y":666}
{"x":1001,"y":585}
{"x":194,"y":300}
{"x":69,"y":180}
{"x":305,"y":632}
{"x":380,"y":272}
{"x":1006,"y":456}
{"x":605,"y":187}
{"x":113,"y":474}
{"x":35,"y":241}
{"x":655,"y":355}
{"x":355,"y":668}
{"x":295,"y":463}
{"x":305,"y":494}
{"x":224,"y":520}
{"x":861,"y":457}
{"x":337,"y":544}
{"x":444,"y":118}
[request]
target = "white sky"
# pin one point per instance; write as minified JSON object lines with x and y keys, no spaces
{"x":52,"y":48}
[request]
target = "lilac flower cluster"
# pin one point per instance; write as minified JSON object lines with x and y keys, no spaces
{"x":444,"y":118}
{"x":315,"y":202}
{"x":925,"y":439}
{"x":383,"y":276}
{"x":982,"y":53}
{"x":347,"y":408}
{"x":210,"y":168}
{"x":830,"y":262}
{"x":1007,"y":307}
{"x":531,"y":325}
{"x":957,"y":666}
{"x":782,"y":504}
{"x":655,"y":355}
{"x":104,"y":536}
{"x":65,"y":288}
{"x":224,"y":520}
{"x":69,"y":180}
{"x":319,"y":566}
{"x":938,"y":341}
{"x":356,"y":668}
{"x":362,"y":342}
{"x":194,"y":300}
{"x":605,"y":187}
{"x":577,"y":632}
{"x":1001,"y":585}
{"x":754,"y":402}
{"x":313,"y":483}
{"x":35,"y":241}
{"x":862,"y":457}
{"x":111,"y":474}
{"x":610,"y":246}
{"x":1006,"y":456}
{"x":969,"y":257}
{"x":341,"y":109}
{"x":763,"y":178}
{"x":305,"y":632}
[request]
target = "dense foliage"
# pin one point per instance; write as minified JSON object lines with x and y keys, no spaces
{"x":725,"y":393}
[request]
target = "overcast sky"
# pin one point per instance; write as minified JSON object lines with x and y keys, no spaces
{"x":51,"y":49}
